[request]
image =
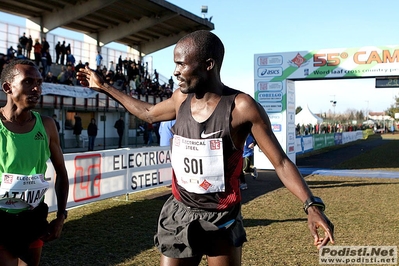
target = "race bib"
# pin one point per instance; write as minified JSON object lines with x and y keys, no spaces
{"x":198,"y":164}
{"x":22,"y":191}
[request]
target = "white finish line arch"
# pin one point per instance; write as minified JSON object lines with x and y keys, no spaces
{"x":275,"y":75}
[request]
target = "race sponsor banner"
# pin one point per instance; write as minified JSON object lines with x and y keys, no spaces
{"x":330,"y":140}
{"x":308,"y":143}
{"x":99,"y":175}
{"x":275,"y":73}
{"x":338,"y":138}
{"x":304,"y":144}
{"x":319,"y":141}
{"x":66,"y":90}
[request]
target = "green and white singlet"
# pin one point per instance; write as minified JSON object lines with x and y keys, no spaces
{"x":22,"y":167}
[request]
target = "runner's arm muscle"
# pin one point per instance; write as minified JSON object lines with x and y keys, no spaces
{"x":162,"y":111}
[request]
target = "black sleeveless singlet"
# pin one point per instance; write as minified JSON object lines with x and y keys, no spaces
{"x":220,"y":120}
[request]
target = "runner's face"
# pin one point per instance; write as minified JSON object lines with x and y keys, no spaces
{"x":189,"y":72}
{"x":26,"y":87}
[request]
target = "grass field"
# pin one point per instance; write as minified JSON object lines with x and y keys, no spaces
{"x":364,"y":211}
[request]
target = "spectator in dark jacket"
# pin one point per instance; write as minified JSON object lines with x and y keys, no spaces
{"x":120,"y":128}
{"x":77,"y":129}
{"x":50,"y":78}
{"x":92,"y":133}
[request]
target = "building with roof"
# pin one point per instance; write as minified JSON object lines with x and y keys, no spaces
{"x":142,"y":26}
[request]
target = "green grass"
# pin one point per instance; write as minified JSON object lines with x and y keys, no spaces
{"x":364,"y":211}
{"x":384,"y":157}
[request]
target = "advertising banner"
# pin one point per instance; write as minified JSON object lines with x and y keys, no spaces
{"x":275,"y":75}
{"x":66,"y":90}
{"x":303,"y":144}
{"x":99,"y":175}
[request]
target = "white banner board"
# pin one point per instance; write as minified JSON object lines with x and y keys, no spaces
{"x":99,"y":175}
{"x":275,"y":75}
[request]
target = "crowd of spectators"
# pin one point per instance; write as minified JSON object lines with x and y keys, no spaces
{"x":42,"y":57}
{"x":127,"y":75}
{"x":134,"y":78}
{"x":325,"y":128}
{"x":309,"y":129}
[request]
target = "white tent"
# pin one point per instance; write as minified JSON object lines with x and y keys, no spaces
{"x":380,"y":117}
{"x":369,"y":122}
{"x":305,"y":116}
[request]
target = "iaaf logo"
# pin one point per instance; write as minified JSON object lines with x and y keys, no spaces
{"x":270,"y":72}
{"x":298,"y":61}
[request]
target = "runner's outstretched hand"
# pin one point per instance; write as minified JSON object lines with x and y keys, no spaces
{"x":318,"y":220}
{"x":89,"y":78}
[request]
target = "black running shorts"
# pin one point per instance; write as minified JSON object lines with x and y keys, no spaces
{"x":185,"y":232}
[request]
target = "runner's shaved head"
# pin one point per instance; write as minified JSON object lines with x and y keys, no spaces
{"x":207,"y":45}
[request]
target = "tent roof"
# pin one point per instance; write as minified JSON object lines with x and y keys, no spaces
{"x":305,"y":116}
{"x":380,"y":117}
{"x":369,"y":122}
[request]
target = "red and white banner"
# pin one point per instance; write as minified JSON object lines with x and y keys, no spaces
{"x":99,"y":175}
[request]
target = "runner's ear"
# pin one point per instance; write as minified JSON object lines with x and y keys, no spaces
{"x":210,"y":64}
{"x":6,"y":87}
